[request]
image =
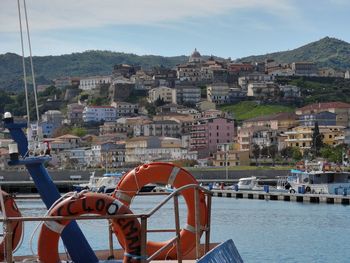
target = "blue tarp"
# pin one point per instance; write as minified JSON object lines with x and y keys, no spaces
{"x":223,"y":253}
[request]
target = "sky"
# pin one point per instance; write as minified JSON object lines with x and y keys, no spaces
{"x":225,"y":28}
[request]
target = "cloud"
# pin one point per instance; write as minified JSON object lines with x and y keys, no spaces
{"x":68,"y":14}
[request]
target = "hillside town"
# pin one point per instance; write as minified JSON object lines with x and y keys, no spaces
{"x":137,"y":116}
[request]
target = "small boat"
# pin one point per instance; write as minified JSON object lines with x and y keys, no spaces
{"x":106,"y":184}
{"x":318,"y":178}
{"x":249,"y":183}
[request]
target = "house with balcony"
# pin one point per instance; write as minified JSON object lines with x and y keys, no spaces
{"x":341,"y":110}
{"x":230,"y":155}
{"x":162,"y":128}
{"x":301,"y":136}
{"x":93,"y":82}
{"x":124,"y":109}
{"x":218,"y":93}
{"x":165,"y":94}
{"x":75,"y":113}
{"x":107,"y":155}
{"x":206,"y":134}
{"x":304,"y":68}
{"x":187,"y":94}
{"x":324,"y":118}
{"x":99,"y":113}
{"x":263,"y":90}
{"x":64,"y":142}
{"x":149,"y":149}
{"x":51,"y":120}
{"x":265,"y":137}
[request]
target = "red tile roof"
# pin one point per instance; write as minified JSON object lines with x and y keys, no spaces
{"x":108,"y":107}
{"x":325,"y":105}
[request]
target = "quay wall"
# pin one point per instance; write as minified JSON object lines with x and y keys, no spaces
{"x":20,"y":181}
{"x":63,"y":175}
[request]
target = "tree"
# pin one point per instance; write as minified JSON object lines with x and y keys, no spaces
{"x":78,"y":131}
{"x":297,"y":156}
{"x":333,"y":154}
{"x":256,"y":153}
{"x":287,"y":153}
{"x":273,"y":153}
{"x":159,"y":102}
{"x":316,"y":140}
{"x":4,"y":100}
{"x":264,"y":152}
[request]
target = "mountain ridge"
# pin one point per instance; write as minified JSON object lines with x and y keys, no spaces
{"x":326,"y":52}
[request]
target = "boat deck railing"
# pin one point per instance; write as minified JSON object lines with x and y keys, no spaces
{"x":144,"y":225}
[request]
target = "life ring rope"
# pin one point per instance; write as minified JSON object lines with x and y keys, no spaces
{"x":173,"y":175}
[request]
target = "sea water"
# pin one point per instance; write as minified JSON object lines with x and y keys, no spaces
{"x":263,"y":231}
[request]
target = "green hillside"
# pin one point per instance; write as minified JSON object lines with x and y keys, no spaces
{"x":327,"y":52}
{"x":250,"y":109}
{"x":88,"y":63}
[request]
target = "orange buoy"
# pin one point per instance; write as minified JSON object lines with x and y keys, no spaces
{"x":167,"y":174}
{"x":11,"y":210}
{"x":90,"y":203}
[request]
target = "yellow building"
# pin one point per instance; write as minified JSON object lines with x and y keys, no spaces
{"x":231,"y":154}
{"x":301,"y":136}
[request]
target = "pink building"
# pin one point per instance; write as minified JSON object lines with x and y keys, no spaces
{"x":206,"y":134}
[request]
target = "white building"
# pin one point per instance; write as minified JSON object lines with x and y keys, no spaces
{"x":148,"y":149}
{"x":188,"y":94}
{"x":168,"y":95}
{"x":78,"y":156}
{"x":125,"y":109}
{"x":254,"y":78}
{"x":90,"y":83}
{"x":99,"y":113}
{"x":218,"y":93}
{"x":54,"y":117}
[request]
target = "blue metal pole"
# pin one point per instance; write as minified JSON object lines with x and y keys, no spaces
{"x":73,"y":238}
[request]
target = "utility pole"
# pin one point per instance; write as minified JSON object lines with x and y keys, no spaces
{"x":226,"y":152}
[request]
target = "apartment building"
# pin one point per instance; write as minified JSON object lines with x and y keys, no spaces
{"x":206,"y":134}
{"x":90,"y":83}
{"x":99,"y":113}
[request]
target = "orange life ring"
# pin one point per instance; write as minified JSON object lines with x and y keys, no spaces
{"x":167,"y":174}
{"x":129,"y":230}
{"x":11,"y":210}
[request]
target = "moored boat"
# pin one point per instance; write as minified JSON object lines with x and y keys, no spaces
{"x":249,"y":183}
{"x":106,"y":183}
{"x":319,"y":178}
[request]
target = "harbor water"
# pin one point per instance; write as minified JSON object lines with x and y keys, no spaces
{"x":263,"y":231}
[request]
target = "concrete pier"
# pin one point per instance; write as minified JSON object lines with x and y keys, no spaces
{"x":282,"y":196}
